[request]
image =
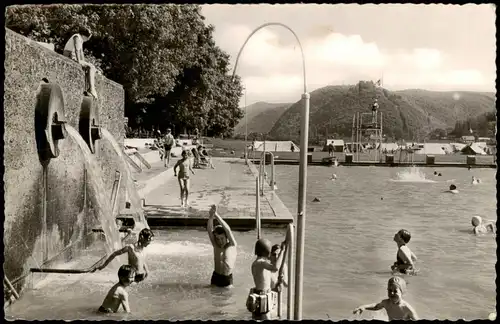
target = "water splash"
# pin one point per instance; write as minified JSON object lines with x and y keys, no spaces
{"x":98,"y":194}
{"x":179,"y":248}
{"x":131,"y":188}
{"x":412,"y":174}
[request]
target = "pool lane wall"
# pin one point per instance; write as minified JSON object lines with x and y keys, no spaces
{"x":70,"y":218}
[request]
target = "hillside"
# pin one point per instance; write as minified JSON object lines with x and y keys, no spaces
{"x":261,"y":117}
{"x":409,"y":114}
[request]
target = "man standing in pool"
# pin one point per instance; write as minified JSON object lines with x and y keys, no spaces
{"x":168,"y":143}
{"x":225,"y":252}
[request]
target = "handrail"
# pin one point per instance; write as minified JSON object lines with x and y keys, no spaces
{"x":132,"y":163}
{"x":288,"y":254}
{"x":262,"y":169}
{"x":115,"y":190}
{"x":142,"y":159}
{"x":257,"y":206}
{"x":87,"y":270}
{"x":291,"y":271}
{"x":11,"y":287}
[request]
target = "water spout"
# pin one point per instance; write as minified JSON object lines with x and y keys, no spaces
{"x":98,"y":193}
{"x":131,"y":189}
{"x":88,"y":125}
{"x":50,"y":121}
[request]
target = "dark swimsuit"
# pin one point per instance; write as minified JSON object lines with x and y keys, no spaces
{"x":400,"y":262}
{"x":140,"y":277}
{"x":221,"y":280}
{"x":105,"y":310}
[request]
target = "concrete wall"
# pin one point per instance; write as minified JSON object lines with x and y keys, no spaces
{"x":68,"y":220}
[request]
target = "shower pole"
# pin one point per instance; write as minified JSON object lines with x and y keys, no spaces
{"x":304,"y":138}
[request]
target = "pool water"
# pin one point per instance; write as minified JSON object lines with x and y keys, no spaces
{"x":349,"y":249}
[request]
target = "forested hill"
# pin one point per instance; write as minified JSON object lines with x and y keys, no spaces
{"x":409,"y":114}
{"x":261,"y":117}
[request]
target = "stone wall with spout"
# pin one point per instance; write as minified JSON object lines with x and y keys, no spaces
{"x":30,"y":240}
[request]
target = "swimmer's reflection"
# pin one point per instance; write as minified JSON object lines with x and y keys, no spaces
{"x":224,"y":300}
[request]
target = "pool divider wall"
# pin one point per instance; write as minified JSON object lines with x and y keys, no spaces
{"x":68,"y":220}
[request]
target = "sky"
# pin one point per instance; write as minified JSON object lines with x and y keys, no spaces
{"x":433,"y":47}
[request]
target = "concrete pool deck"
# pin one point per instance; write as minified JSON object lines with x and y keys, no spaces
{"x":230,"y":186}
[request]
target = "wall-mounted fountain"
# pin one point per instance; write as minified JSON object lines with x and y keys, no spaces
{"x":49,"y":145}
{"x":49,"y":121}
{"x":88,"y":126}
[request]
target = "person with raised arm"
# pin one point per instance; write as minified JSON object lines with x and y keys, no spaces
{"x":225,"y":252}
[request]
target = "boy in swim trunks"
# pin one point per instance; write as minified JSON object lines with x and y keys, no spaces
{"x":395,"y":306}
{"x":405,"y":257}
{"x":168,"y":143}
{"x":480,"y":227}
{"x":184,"y":166}
{"x":225,"y":251}
{"x":262,"y":300}
{"x":135,"y":252}
{"x":118,"y":295}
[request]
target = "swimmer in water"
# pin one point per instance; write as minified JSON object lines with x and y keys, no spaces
{"x":395,"y":306}
{"x":435,"y":173}
{"x":334,"y":177}
{"x":453,"y":189}
{"x":405,"y":258}
{"x":439,"y":174}
{"x":118,"y":295}
{"x":262,"y":298}
{"x":480,"y":227}
{"x":475,"y":180}
{"x":135,"y":253}
{"x":225,"y":252}
{"x":184,"y":166}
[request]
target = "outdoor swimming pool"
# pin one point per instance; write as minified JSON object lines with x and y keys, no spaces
{"x":349,"y":250}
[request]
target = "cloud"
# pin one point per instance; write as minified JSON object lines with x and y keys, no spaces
{"x":271,"y":63}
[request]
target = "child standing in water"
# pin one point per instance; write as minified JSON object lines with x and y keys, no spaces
{"x":184,"y":166}
{"x":262,"y":299}
{"x":135,"y":253}
{"x":404,"y":257}
{"x":395,"y":306}
{"x":117,"y":295}
{"x":225,"y":251}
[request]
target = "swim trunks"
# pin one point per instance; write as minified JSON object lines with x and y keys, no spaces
{"x":140,"y":277}
{"x":105,"y":310}
{"x":167,"y":147}
{"x":221,"y":280}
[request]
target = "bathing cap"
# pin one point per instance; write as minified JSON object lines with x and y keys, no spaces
{"x":263,"y":248}
{"x":398,"y":282}
{"x":218,"y":230}
{"x":404,"y":235}
{"x":453,"y":187}
{"x":146,"y":234}
{"x":476,"y":221}
{"x":125,"y":271}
